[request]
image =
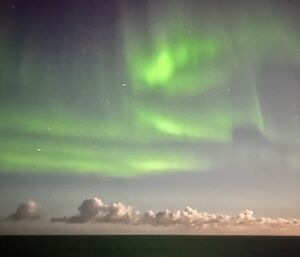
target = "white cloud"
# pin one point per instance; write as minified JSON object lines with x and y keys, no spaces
{"x":88,"y":209}
{"x":26,"y":211}
{"x":119,"y":213}
{"x":94,"y":210}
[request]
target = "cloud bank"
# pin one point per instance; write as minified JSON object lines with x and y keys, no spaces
{"x":26,"y":211}
{"x":95,"y":211}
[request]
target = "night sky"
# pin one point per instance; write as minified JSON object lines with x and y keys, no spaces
{"x":156,"y":104}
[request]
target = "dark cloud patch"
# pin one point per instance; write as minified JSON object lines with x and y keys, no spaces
{"x":26,"y":211}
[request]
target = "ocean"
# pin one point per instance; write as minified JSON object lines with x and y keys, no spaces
{"x":146,"y":246}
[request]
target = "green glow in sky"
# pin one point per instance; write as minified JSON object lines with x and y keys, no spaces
{"x":160,"y":69}
{"x":117,"y":108}
{"x":42,"y":145}
{"x":210,"y":126}
{"x":50,"y":154}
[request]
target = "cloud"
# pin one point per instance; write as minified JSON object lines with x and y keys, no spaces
{"x":88,"y":209}
{"x":94,"y":210}
{"x":26,"y":211}
{"x":119,"y":213}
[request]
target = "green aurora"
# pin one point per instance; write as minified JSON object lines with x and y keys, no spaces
{"x":112,"y":114}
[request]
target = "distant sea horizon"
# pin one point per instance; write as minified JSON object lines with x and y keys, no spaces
{"x":150,"y":245}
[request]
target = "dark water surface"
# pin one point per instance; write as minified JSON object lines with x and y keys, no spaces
{"x":142,"y":246}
